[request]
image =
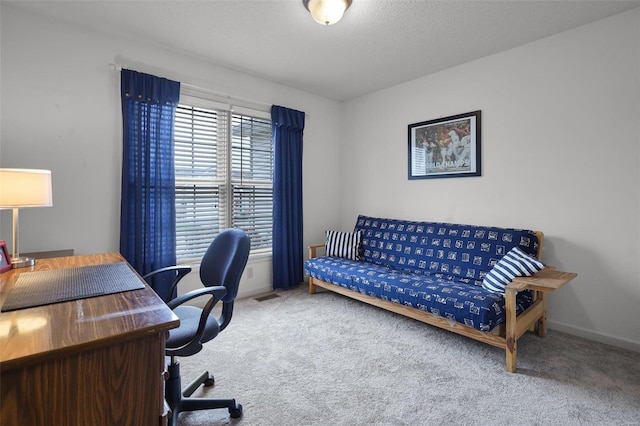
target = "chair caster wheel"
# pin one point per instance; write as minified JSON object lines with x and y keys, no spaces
{"x":236,"y":412}
{"x":210,"y":381}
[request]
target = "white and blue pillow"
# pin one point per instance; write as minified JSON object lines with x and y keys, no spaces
{"x":515,"y":263}
{"x":343,"y":244}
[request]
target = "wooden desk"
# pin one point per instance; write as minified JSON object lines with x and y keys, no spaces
{"x":95,"y":361}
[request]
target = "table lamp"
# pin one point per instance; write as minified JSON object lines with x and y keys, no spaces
{"x":21,"y":188}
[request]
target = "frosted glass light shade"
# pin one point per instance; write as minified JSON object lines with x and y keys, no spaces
{"x":327,"y":12}
{"x":25,"y":188}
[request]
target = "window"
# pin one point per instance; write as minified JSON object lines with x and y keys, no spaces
{"x":224,"y":177}
{"x":252,"y":178}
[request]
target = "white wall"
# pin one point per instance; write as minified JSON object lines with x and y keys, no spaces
{"x":60,"y":110}
{"x":560,"y":116}
{"x":560,"y":139}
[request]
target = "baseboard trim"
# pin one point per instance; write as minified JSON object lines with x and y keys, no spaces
{"x":592,"y":335}
{"x":247,"y":290}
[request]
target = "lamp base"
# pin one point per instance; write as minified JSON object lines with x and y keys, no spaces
{"x":22,"y":262}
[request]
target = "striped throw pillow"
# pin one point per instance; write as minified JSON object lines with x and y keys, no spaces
{"x":516,"y":263}
{"x":343,"y":244}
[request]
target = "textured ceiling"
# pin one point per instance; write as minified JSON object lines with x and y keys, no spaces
{"x":377,"y":44}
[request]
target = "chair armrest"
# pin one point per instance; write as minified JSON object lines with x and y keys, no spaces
{"x":182,"y":270}
{"x":217,"y":292}
{"x":313,"y":248}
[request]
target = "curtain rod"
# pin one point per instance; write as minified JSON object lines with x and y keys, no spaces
{"x":119,"y":67}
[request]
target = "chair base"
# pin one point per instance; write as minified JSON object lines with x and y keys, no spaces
{"x":179,"y":400}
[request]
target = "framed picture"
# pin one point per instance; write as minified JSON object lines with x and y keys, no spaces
{"x":445,"y":147}
{"x":5,"y":260}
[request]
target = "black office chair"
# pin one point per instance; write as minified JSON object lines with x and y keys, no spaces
{"x":220,"y":272}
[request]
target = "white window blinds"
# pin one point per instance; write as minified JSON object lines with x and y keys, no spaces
{"x":252,"y":178}
{"x":224,"y":178}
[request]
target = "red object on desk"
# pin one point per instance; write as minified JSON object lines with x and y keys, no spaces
{"x":5,"y":260}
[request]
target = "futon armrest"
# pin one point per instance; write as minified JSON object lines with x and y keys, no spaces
{"x":313,"y":250}
{"x":548,"y":280}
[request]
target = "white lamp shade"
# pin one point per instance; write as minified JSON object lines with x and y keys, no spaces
{"x":327,"y":12}
{"x":25,"y":188}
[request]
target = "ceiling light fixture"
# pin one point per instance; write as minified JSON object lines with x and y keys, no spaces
{"x":327,"y":12}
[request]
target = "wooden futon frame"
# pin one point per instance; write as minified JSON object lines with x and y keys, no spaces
{"x":505,"y":335}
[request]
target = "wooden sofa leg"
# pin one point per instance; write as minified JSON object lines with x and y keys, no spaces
{"x":511,"y":330}
{"x":542,"y":322}
{"x":512,"y":356}
{"x":312,"y":287}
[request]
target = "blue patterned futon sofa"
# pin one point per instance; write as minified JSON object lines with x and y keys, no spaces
{"x":434,"y":272}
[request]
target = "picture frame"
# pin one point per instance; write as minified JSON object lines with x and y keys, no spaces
{"x":445,"y":147}
{"x":5,"y":259}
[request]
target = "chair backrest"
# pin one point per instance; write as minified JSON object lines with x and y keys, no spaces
{"x":224,"y":261}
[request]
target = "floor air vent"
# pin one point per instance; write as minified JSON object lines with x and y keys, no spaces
{"x":266,"y":297}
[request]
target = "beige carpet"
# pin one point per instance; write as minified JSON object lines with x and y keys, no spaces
{"x":328,"y":360}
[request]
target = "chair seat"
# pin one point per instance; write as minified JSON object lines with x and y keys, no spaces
{"x":189,"y":318}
